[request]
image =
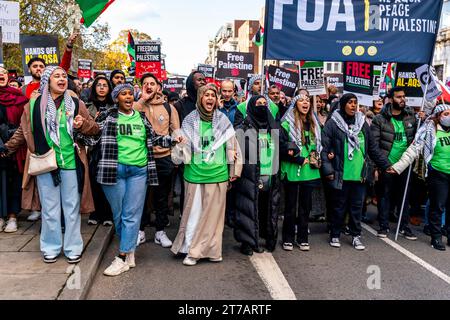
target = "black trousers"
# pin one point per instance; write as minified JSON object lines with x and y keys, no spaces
{"x":392,"y":188}
{"x":102,"y":211}
{"x":349,"y":199}
{"x":439,"y":192}
{"x":165,"y":169}
{"x":230,"y":211}
{"x":298,"y":199}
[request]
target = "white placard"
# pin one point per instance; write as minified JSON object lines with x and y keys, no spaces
{"x":9,"y":21}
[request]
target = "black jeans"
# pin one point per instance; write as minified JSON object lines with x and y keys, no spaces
{"x":349,"y":199}
{"x":439,"y":192}
{"x":393,"y":187}
{"x":165,"y":169}
{"x":298,"y":207}
{"x":102,"y":211}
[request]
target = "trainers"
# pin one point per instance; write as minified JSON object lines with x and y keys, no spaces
{"x":141,"y":238}
{"x":216,"y":260}
{"x":2,"y":224}
{"x":357,"y":243}
{"x":130,"y":260}
{"x":162,"y":239}
{"x":188,"y":261}
{"x":74,"y":259}
{"x":335,"y":243}
{"x":383,"y":233}
{"x":34,"y":216}
{"x":92,"y":222}
{"x":288,"y":246}
{"x":50,"y":259}
{"x":116,"y":268}
{"x":407,"y":233}
{"x":304,"y":246}
{"x":108,"y":223}
{"x":437,"y":244}
{"x":11,"y":225}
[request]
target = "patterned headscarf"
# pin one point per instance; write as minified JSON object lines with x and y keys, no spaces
{"x":48,"y":107}
{"x":121,"y":87}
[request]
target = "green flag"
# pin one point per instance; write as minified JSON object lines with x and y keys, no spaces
{"x":92,"y":9}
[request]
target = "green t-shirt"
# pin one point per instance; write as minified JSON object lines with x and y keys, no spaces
{"x":65,"y":153}
{"x":132,"y":140}
{"x":295,"y":172}
{"x":201,"y":171}
{"x":353,"y":168}
{"x":400,"y":141}
{"x":266,"y":148}
{"x":272,"y":107}
{"x":441,"y":156}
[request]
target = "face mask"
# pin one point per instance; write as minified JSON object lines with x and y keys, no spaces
{"x":445,"y":121}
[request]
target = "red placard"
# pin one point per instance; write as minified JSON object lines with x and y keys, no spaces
{"x":148,"y":67}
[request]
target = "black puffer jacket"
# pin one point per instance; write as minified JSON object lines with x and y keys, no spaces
{"x":247,"y":217}
{"x":333,"y":141}
{"x":383,"y":130}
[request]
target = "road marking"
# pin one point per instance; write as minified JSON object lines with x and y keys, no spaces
{"x":273,"y":278}
{"x":410,"y":255}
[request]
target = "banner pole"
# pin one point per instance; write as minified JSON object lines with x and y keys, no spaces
{"x":411,"y":166}
{"x":263,"y":80}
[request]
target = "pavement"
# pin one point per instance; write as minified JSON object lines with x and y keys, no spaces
{"x":24,"y":276}
{"x":406,"y":270}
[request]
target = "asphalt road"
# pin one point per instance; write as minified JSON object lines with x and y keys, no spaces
{"x":406,"y":270}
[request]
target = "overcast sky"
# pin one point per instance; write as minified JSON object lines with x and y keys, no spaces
{"x":183,"y":26}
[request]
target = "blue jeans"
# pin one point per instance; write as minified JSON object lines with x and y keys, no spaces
{"x":127,"y":199}
{"x":53,"y":198}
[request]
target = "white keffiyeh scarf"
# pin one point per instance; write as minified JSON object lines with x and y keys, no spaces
{"x":351,"y":131}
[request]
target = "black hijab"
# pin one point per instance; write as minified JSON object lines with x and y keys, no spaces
{"x":342,"y":103}
{"x":260,"y":116}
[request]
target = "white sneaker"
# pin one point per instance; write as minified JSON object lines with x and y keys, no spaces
{"x":304,"y":246}
{"x":287,"y":246}
{"x":188,"y":261}
{"x":116,"y":268}
{"x":34,"y":216}
{"x":131,"y":260}
{"x":162,"y":239}
{"x":335,"y":243}
{"x":108,"y":223}
{"x":357,"y":244}
{"x":141,"y":238}
{"x":11,"y":225}
{"x":2,"y":224}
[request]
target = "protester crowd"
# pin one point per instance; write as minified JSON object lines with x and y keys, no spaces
{"x":120,"y":152}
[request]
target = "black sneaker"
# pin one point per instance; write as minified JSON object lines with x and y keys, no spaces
{"x":50,"y":259}
{"x":407,"y":233}
{"x":74,"y":260}
{"x":438,"y":245}
{"x":383,"y":233}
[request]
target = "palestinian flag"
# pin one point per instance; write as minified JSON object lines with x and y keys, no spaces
{"x":131,"y":49}
{"x":92,"y":9}
{"x":258,"y":39}
{"x":445,"y":96}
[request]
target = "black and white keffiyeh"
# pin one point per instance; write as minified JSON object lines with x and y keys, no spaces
{"x":222,"y":130}
{"x":351,"y":131}
{"x":48,"y":107}
{"x":295,"y":132}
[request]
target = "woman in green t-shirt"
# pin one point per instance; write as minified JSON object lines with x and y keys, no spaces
{"x":209,"y":148}
{"x":300,"y":148}
{"x":433,"y":141}
{"x":126,"y":167}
